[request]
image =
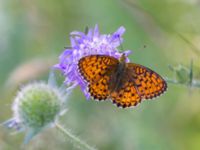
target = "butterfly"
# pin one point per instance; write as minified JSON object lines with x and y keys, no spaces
{"x":126,"y":84}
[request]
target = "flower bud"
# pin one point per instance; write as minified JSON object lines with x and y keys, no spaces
{"x":36,"y":106}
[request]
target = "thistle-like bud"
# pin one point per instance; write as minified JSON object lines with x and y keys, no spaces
{"x":36,"y":106}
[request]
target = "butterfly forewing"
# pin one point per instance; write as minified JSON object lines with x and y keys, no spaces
{"x":148,"y":83}
{"x":94,"y":67}
{"x":97,"y":71}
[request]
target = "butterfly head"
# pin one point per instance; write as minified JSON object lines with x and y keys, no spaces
{"x":122,"y":59}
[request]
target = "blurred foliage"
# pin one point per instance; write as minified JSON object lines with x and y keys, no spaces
{"x":185,"y":75}
{"x":169,"y":29}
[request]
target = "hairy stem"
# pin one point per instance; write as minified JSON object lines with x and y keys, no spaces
{"x":75,"y":139}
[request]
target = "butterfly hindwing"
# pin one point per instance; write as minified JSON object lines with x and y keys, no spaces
{"x":127,"y":95}
{"x":100,"y":90}
{"x":148,"y":83}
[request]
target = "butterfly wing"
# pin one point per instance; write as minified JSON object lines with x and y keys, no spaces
{"x":127,"y":95}
{"x":97,"y":70}
{"x":100,"y":90}
{"x":149,"y":84}
{"x":138,"y":82}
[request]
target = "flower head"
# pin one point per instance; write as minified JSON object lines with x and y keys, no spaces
{"x":83,"y":44}
{"x":36,"y":106}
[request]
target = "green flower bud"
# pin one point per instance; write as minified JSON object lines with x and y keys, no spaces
{"x":37,"y":105}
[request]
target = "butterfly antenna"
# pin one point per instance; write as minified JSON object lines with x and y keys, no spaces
{"x":121,"y":46}
{"x":86,"y":30}
{"x":68,"y":47}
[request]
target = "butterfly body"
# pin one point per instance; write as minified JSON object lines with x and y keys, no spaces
{"x":116,"y":80}
{"x":126,"y":84}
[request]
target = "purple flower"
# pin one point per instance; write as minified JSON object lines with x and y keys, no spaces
{"x":83,"y":44}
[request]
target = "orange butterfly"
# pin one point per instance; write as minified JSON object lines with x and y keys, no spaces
{"x":126,"y":84}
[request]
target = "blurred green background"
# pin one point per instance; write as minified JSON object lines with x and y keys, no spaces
{"x":34,"y":33}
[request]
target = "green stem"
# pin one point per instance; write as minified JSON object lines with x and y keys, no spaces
{"x":82,"y":144}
